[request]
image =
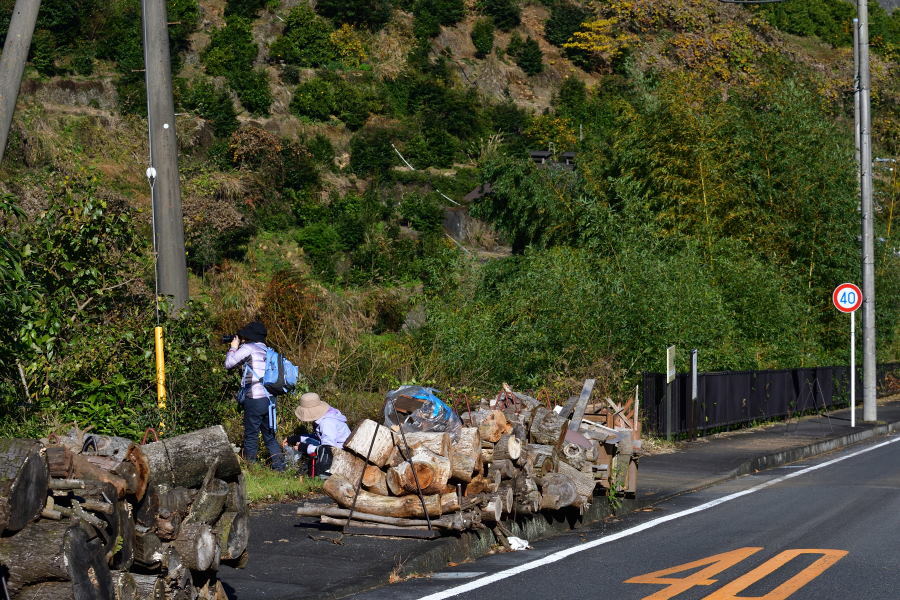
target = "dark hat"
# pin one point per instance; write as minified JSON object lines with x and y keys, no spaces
{"x":253,"y":332}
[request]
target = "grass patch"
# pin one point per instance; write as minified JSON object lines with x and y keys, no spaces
{"x":266,"y":486}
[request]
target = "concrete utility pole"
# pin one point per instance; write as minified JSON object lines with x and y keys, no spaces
{"x":12,"y":63}
{"x":856,"y":96}
{"x":168,"y":227}
{"x":868,"y":225}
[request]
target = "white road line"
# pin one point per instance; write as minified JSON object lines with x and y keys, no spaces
{"x":561,"y":554}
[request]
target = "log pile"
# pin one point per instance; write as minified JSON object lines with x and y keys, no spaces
{"x":87,"y":516}
{"x":514,"y":457}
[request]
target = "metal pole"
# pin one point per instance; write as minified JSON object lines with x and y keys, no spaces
{"x":868,"y":228}
{"x":12,"y":62}
{"x":856,"y":97}
{"x":168,"y":227}
{"x":668,"y":411}
{"x":853,"y":369}
{"x":694,"y":374}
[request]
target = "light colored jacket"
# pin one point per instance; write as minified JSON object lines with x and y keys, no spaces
{"x":252,"y":354}
{"x":332,"y":430}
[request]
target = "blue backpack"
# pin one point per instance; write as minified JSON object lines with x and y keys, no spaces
{"x":280,"y":376}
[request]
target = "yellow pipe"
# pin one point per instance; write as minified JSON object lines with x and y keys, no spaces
{"x":160,"y":372}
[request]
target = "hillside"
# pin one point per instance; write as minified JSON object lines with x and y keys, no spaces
{"x":712,"y":204}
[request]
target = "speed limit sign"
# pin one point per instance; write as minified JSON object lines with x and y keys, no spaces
{"x":847,"y":297}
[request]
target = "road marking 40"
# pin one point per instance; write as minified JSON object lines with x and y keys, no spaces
{"x":726,"y":560}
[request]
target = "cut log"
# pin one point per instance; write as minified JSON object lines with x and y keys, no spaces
{"x":150,"y":587}
{"x":487,"y":455}
{"x":492,"y":426}
{"x":361,"y":439}
{"x":508,"y":447}
{"x":342,"y":491}
{"x":446,"y":522}
{"x":185,"y":459}
{"x":168,"y":524}
{"x":196,"y":545}
{"x":393,"y":483}
{"x":147,"y":549}
{"x":148,"y":509}
{"x":574,"y":455}
{"x":547,"y":427}
{"x":237,"y":495}
{"x":425,"y":470}
{"x":542,"y":456}
{"x":56,"y":551}
{"x":50,"y":590}
{"x":558,"y":491}
{"x":477,"y":485}
{"x":492,"y":510}
{"x":177,"y":500}
{"x":59,"y":461}
{"x":584,"y":481}
{"x":209,"y":503}
{"x":437,"y":442}
{"x":124,"y":586}
{"x":375,"y":480}
{"x":507,"y":495}
{"x":23,"y":483}
{"x":233,"y":531}
{"x":505,"y":468}
{"x":347,"y":465}
{"x":85,"y":469}
{"x":581,"y":404}
{"x":122,"y":551}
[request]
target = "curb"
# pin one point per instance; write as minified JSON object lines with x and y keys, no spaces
{"x":474,"y":544}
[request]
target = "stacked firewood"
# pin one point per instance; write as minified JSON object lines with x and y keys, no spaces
{"x":87,"y":516}
{"x":515,"y":457}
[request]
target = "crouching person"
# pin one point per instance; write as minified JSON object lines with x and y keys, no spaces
{"x":331,"y":432}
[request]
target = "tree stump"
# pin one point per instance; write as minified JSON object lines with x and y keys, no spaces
{"x":184,"y":460}
{"x":342,"y":491}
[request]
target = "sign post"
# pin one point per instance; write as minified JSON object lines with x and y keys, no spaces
{"x":670,"y":377}
{"x":847,"y":298}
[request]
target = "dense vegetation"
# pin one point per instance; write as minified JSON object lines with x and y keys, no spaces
{"x":713,"y":205}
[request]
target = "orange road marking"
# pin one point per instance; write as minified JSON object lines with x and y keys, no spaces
{"x":677,"y":585}
{"x":730,"y":591}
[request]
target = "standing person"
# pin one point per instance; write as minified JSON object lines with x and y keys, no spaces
{"x":331,"y":430}
{"x":248,"y":348}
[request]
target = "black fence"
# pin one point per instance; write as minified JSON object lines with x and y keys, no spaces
{"x":730,"y":398}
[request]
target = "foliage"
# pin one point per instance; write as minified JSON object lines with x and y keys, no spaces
{"x":565,"y":19}
{"x":327,"y":96}
{"x":248,"y":9}
{"x":370,"y":151}
{"x":368,"y":13}
{"x":600,"y":39}
{"x":431,"y":14}
{"x":483,"y":37}
{"x":506,"y":14}
{"x":305,"y":41}
{"x":553,"y":133}
{"x":527,"y":54}
{"x":350,"y":46}
{"x":252,"y":87}
{"x":231,"y":49}
{"x":213,"y":104}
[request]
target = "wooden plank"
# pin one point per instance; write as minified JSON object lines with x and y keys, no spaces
{"x":387,"y":531}
{"x":582,"y":403}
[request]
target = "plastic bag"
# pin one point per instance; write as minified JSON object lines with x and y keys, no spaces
{"x":419,"y":409}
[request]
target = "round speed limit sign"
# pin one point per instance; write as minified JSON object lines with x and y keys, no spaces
{"x":847,"y":297}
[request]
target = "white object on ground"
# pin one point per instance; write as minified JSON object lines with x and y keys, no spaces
{"x":517,"y":543}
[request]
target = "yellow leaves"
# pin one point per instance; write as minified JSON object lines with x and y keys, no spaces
{"x":601,"y":39}
{"x":349,"y":44}
{"x":554,"y":133}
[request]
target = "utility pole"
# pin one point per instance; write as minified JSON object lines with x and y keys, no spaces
{"x":856,"y":97}
{"x":12,"y":62}
{"x":168,"y":226}
{"x":868,"y":225}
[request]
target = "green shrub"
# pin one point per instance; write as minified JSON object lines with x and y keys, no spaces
{"x":527,"y":54}
{"x":565,"y":19}
{"x":213,"y":104}
{"x":231,"y":49}
{"x":83,"y":59}
{"x":431,"y":14}
{"x":44,"y":53}
{"x":483,"y":37}
{"x":321,"y":149}
{"x":320,"y":242}
{"x":252,"y":87}
{"x":505,"y":13}
{"x":298,"y":168}
{"x":371,"y":152}
{"x":305,"y":41}
{"x":322,"y":97}
{"x":368,"y":13}
{"x":248,"y":9}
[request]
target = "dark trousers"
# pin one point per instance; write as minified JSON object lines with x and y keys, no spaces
{"x":257,"y":419}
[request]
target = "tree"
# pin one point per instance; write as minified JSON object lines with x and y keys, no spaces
{"x":483,"y":37}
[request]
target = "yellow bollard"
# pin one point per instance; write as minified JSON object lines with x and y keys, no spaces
{"x":160,"y":374}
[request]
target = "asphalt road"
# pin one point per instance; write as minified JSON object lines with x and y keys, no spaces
{"x":826,"y":528}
